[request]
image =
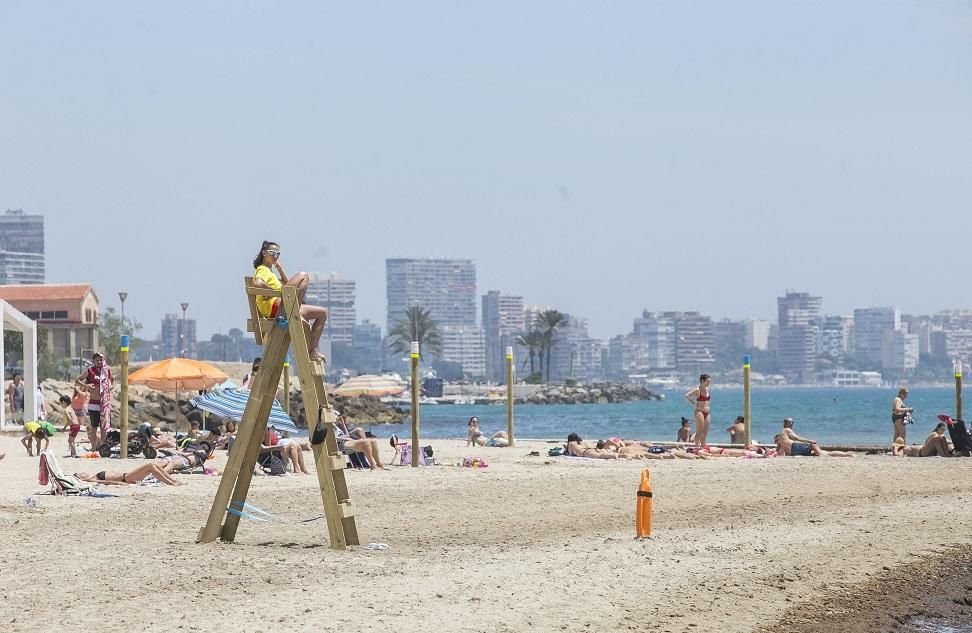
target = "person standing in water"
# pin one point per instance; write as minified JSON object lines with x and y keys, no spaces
{"x":699,"y":398}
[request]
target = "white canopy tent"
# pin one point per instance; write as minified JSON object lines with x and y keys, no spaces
{"x":14,"y":319}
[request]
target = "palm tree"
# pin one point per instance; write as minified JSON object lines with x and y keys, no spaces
{"x":532,"y":341}
{"x":417,"y":325}
{"x":548,"y":322}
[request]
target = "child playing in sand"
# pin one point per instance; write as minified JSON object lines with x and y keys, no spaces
{"x":37,"y":431}
{"x":71,"y":423}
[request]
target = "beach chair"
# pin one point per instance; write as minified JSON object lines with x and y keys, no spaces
{"x":961,"y":440}
{"x":50,"y":473}
{"x":403,"y":452}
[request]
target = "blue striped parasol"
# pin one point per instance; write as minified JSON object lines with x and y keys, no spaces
{"x":231,"y":403}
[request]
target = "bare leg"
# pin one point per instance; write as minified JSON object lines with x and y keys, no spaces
{"x":93,"y":437}
{"x":317,"y":316}
{"x":701,"y":428}
{"x":899,"y":430}
{"x":27,"y":444}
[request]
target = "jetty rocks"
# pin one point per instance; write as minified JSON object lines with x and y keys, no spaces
{"x":596,"y":393}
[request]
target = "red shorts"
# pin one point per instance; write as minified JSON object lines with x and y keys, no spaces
{"x":75,"y":429}
{"x":274,"y":308}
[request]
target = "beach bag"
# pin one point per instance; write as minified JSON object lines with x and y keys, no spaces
{"x":274,"y":465}
{"x":428,"y":451}
{"x":556,"y":452}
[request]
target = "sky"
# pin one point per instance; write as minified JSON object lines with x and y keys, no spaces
{"x":602,"y":158}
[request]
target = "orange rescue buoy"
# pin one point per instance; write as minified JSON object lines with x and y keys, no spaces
{"x":644,"y":507}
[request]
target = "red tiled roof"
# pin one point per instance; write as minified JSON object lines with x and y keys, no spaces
{"x":45,"y":292}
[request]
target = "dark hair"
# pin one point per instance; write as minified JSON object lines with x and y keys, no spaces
{"x":97,"y":355}
{"x":64,"y":400}
{"x":600,"y":444}
{"x":471,"y":420}
{"x":685,"y":420}
{"x":703,"y":378}
{"x":259,"y":256}
{"x":256,"y":362}
{"x":573,"y":437}
{"x":740,"y":418}
{"x":940,"y":425}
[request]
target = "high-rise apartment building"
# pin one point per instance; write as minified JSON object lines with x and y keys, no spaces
{"x":366,"y":349}
{"x":836,"y":337}
{"x":758,"y":334}
{"x":445,"y":287}
{"x":502,"y":322}
{"x":336,"y":295}
{"x":173,"y":341}
{"x":21,"y":248}
{"x":870,"y":326}
{"x":799,"y":325}
{"x":655,"y":332}
{"x":465,"y":345}
{"x":899,"y":353}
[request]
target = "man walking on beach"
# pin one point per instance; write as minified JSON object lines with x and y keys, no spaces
{"x":97,"y":380}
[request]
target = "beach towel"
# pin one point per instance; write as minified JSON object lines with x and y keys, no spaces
{"x":105,"y":385}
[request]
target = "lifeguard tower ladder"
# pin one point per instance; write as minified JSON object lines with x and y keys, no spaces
{"x":276,"y":335}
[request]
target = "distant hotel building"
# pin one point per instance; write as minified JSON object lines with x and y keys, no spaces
{"x":502,"y":322}
{"x":21,"y":248}
{"x":173,"y":340}
{"x":466,"y":346}
{"x":366,"y":347}
{"x":870,"y":327}
{"x":336,"y":295}
{"x":446,"y":287}
{"x":799,"y":326}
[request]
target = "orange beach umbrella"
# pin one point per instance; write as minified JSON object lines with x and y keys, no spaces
{"x":174,"y":374}
{"x":369,"y":385}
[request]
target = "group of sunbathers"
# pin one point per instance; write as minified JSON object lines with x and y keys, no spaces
{"x":787,"y":443}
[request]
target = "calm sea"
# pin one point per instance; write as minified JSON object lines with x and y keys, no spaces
{"x":830,"y":416}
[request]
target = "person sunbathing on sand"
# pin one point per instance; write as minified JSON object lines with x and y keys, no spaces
{"x":935,"y":445}
{"x":787,"y":447}
{"x":131,"y":477}
{"x":577,"y":448}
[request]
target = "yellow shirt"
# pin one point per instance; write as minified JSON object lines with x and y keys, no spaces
{"x":265,"y":304}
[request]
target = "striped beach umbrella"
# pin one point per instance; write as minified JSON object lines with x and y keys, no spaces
{"x":230,"y":403}
{"x":369,"y":385}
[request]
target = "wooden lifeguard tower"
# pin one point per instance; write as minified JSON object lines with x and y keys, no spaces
{"x":276,"y":336}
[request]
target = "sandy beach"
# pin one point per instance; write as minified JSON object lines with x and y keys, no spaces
{"x":809,"y":544}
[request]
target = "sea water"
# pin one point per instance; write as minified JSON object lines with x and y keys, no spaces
{"x":846,"y":416}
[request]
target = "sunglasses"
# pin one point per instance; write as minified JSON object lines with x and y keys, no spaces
{"x":273,"y":253}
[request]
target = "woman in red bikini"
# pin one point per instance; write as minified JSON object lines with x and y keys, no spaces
{"x":699,"y":398}
{"x":265,"y":263}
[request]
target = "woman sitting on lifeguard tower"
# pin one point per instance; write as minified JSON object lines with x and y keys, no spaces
{"x":268,"y":260}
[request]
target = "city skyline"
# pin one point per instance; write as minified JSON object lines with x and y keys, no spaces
{"x":818,"y":146}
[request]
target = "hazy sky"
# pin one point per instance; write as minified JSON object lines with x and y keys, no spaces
{"x":599,"y":157}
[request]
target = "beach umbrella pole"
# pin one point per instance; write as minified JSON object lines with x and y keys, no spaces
{"x":746,"y":402}
{"x":124,"y":396}
{"x":415,"y":403}
{"x":509,"y":394}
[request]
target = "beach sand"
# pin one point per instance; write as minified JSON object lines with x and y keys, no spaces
{"x":782,"y":544}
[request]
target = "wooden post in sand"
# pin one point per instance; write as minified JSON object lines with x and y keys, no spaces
{"x":286,"y":373}
{"x":509,"y":394}
{"x":124,"y":396}
{"x":746,"y":408}
{"x":958,"y":391}
{"x":415,"y":404}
